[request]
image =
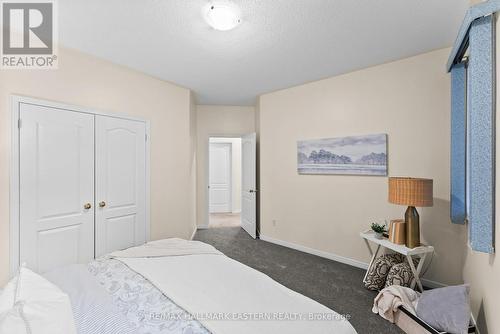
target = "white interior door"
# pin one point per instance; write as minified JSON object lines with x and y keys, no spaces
{"x":249,"y":181}
{"x":120,"y":184}
{"x":56,"y":187}
{"x":220,"y":177}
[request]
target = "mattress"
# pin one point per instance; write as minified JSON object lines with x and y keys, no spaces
{"x":165,"y":292}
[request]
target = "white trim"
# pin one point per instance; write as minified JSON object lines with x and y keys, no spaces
{"x":15,"y":100}
{"x":148,"y":180}
{"x":207,"y":174}
{"x":327,"y":255}
{"x":203,"y":227}
{"x":337,"y":258}
{"x":433,"y":284}
{"x":14,"y":189}
{"x":68,"y":107}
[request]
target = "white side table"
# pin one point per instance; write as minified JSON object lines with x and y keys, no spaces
{"x":421,"y":252}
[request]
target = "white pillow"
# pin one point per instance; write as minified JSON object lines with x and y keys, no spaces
{"x":30,"y":304}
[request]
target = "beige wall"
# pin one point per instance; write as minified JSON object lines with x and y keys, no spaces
{"x":193,"y":133}
{"x":217,"y":121}
{"x":87,"y":81}
{"x":407,"y":99}
{"x":482,"y":271}
{"x":235,"y":170}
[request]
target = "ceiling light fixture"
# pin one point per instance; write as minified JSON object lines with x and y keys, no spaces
{"x":222,"y":15}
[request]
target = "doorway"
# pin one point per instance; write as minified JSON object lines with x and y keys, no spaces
{"x":231,"y":174}
{"x":224,"y":182}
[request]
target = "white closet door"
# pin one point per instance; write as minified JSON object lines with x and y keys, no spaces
{"x":120,"y":184}
{"x":56,"y":187}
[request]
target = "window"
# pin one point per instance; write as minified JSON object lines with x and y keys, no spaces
{"x":473,"y":136}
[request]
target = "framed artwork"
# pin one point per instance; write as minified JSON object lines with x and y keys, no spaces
{"x":355,"y":155}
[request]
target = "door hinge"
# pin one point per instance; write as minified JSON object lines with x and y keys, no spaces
{"x":19,"y":123}
{"x":146,"y":137}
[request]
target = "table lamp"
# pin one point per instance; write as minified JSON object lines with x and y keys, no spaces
{"x":412,"y":192}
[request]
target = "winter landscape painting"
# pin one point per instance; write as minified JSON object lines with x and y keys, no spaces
{"x":357,"y":155}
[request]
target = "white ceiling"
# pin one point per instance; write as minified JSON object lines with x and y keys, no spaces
{"x":280,"y":43}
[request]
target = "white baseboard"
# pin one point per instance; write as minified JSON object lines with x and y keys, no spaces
{"x":338,"y":258}
{"x":433,"y":284}
{"x":327,"y":255}
{"x":202,"y":227}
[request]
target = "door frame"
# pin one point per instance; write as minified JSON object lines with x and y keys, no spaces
{"x":206,"y":168}
{"x":14,"y":191}
{"x":230,"y":171}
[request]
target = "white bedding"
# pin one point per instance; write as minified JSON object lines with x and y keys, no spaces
{"x":137,"y":299}
{"x":30,"y":304}
{"x":93,"y":308}
{"x":107,"y":297}
{"x":224,"y":294}
{"x":167,"y":247}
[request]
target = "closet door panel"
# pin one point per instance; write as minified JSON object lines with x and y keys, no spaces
{"x":120,"y":184}
{"x":56,"y":183}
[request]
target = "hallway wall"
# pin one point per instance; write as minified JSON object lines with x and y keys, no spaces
{"x":215,"y":121}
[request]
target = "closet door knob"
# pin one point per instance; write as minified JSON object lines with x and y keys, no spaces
{"x":102,"y":204}
{"x":87,"y":206}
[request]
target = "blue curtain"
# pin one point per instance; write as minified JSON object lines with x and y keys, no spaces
{"x":458,"y":143}
{"x":481,"y":134}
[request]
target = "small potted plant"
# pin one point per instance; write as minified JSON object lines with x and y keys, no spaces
{"x":379,"y":230}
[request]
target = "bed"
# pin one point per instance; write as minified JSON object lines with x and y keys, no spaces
{"x":174,"y":286}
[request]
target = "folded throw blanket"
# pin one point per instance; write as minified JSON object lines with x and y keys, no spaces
{"x":389,"y":299}
{"x":166,"y":247}
{"x":226,"y":296}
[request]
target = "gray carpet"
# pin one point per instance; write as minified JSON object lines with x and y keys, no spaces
{"x":333,"y":284}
